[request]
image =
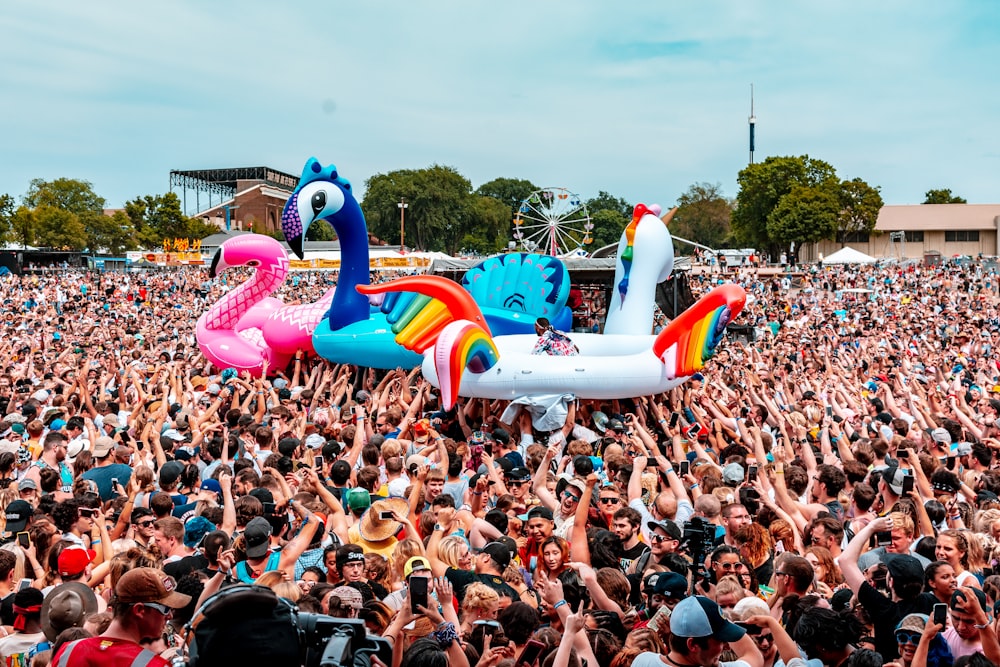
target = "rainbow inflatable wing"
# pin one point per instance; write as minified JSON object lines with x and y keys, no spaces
{"x":462,"y":358}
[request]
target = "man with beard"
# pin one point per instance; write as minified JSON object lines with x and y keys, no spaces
{"x":53,"y":456}
{"x":625,"y":523}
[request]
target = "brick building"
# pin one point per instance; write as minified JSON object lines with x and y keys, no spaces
{"x":243,"y":198}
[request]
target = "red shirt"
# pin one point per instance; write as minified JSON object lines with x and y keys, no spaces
{"x":104,"y":652}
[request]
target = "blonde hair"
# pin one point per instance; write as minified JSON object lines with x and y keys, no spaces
{"x":450,"y":550}
{"x":480,"y":598}
{"x":730,"y":585}
{"x":287,"y":590}
{"x":402,"y":552}
{"x":270,"y":579}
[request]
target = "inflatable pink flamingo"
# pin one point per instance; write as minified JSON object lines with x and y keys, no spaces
{"x":229,"y":334}
{"x":290,"y":329}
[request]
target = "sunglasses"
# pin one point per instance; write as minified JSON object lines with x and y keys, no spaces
{"x":610,"y":501}
{"x":162,"y":608}
{"x":145,"y":524}
{"x":760,"y":639}
{"x":569,"y":496}
{"x":908,"y":638}
{"x":656,"y":539}
{"x":88,"y":513}
{"x":729,"y":566}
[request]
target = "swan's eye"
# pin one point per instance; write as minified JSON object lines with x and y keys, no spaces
{"x":318,"y":202}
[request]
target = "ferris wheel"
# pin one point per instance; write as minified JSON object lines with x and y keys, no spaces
{"x":552,"y":221}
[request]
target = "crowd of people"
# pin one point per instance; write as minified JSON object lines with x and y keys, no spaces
{"x":824,"y":492}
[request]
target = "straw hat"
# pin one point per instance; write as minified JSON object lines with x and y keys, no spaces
{"x":374,"y":529}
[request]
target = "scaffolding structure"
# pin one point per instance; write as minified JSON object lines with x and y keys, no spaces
{"x":223,"y":182}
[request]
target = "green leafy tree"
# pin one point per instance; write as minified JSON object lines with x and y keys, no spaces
{"x":859,"y":207}
{"x":22,"y":225}
{"x":510,"y":191}
{"x":158,"y":217}
{"x":67,"y":194}
{"x":6,"y":216}
{"x":702,"y":216}
{"x":762,"y":187}
{"x":489,"y":223}
{"x":609,"y":215}
{"x":59,"y":228}
{"x":804,"y":215}
{"x":320,"y":230}
{"x":113,"y":234}
{"x":439,"y":200}
{"x":943,"y":196}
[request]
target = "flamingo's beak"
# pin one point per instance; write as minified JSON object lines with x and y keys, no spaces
{"x":217,"y":264}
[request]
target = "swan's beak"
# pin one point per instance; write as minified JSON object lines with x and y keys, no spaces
{"x":295,"y":243}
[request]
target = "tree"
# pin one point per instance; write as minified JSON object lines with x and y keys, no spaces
{"x":859,"y":207}
{"x":22,"y":225}
{"x":762,"y":186}
{"x":66,"y":194}
{"x":510,"y":191}
{"x":702,"y":216}
{"x":113,"y":234}
{"x":59,"y":228}
{"x":6,"y":216}
{"x":158,"y":217}
{"x":489,"y":222}
{"x":805,"y":215}
{"x":609,"y":215}
{"x":942,"y":196}
{"x":439,"y":200}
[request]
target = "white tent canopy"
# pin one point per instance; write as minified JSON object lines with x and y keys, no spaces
{"x":848,"y":255}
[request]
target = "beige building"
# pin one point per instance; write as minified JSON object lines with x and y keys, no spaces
{"x":913,"y":230}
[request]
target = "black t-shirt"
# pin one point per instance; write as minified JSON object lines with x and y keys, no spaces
{"x":460,"y":580}
{"x":631,"y":555}
{"x":7,"y":610}
{"x":186,"y":565}
{"x":886,"y":615}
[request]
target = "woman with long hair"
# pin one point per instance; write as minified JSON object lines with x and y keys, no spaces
{"x":757,"y":547}
{"x":954,"y":546}
{"x":939,"y":581}
{"x":826,"y":569}
{"x":454,"y":551}
{"x":402,"y":552}
{"x":553,"y":554}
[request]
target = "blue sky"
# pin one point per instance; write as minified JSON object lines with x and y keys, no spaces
{"x":641,"y":98}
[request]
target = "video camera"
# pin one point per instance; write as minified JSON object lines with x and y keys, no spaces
{"x":251,"y":625}
{"x":699,"y":541}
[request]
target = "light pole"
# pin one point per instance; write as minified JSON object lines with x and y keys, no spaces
{"x":402,"y":205}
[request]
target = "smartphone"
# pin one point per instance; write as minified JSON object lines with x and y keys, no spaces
{"x":386,"y":516}
{"x":683,"y":468}
{"x":694,"y":430}
{"x":418,"y":593}
{"x":25,"y":583}
{"x":883,"y":538}
{"x":24,"y":540}
{"x":269,"y":509}
{"x":673,"y":419}
{"x":114,"y":483}
{"x":829,"y":411}
{"x":354,"y":410}
{"x":907,"y":484}
{"x":529,"y":655}
{"x":951,"y":463}
{"x":318,"y":461}
{"x":752,"y":475}
{"x":489,"y":627}
{"x":941,"y":613}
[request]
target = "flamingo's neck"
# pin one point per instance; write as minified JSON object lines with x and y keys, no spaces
{"x":230,"y":308}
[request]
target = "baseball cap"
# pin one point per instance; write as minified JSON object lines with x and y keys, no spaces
{"x":147,"y":584}
{"x":27,"y":484}
{"x":893,"y":478}
{"x":279,"y":383}
{"x":103,"y":447}
{"x":913,"y":623}
{"x":258,"y":537}
{"x":349,"y":597}
{"x":669,"y":584}
{"x":74,"y":560}
{"x":415,"y":564}
{"x":699,"y":616}
{"x":195,"y":531}
{"x":733,"y":473}
{"x":903,"y":568}
{"x":667,"y":526}
{"x":358,"y":499}
{"x":173,"y":434}
{"x":499,"y":552}
{"x":518,"y":473}
{"x":315,"y":441}
{"x":963,"y":449}
{"x":616,"y":425}
{"x":539,"y":511}
{"x":170,"y":471}
{"x":17,"y":514}
{"x":941,"y":436}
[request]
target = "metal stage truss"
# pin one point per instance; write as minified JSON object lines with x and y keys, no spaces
{"x":222,"y":182}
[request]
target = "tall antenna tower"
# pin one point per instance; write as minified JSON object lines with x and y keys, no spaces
{"x":753,"y":123}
